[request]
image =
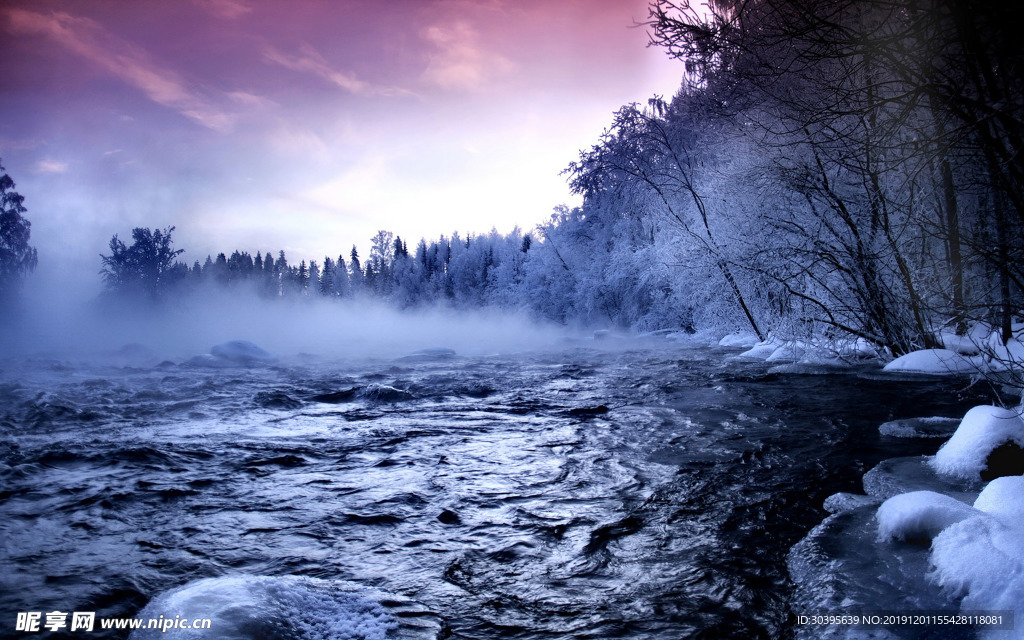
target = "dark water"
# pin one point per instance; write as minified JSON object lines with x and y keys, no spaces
{"x":645,"y":493}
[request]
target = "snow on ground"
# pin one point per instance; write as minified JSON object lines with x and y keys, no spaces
{"x":967,"y":345}
{"x":981,"y":431}
{"x":762,"y":350}
{"x":935,"y":362}
{"x":828,"y":352}
{"x":744,"y":339}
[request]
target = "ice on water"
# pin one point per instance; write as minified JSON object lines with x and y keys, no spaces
{"x":941,"y":540}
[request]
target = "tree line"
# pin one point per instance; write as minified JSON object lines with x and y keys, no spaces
{"x":826,"y":169}
{"x":844,"y":168}
{"x":850,"y":167}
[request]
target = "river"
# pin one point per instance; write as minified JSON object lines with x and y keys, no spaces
{"x":650,"y":490}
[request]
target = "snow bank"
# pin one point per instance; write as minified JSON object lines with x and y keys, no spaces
{"x":789,"y":352}
{"x":1003,"y":498}
{"x":1004,"y":357}
{"x":981,"y":431}
{"x":739,"y":339}
{"x":762,"y":350}
{"x":965,"y":345}
{"x":919,"y":515}
{"x":934,"y":362}
{"x":831,"y":352}
{"x":245,"y":607}
{"x":982,"y":558}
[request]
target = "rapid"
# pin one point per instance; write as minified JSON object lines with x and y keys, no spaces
{"x":636,"y":490}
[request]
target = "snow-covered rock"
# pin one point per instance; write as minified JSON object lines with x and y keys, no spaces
{"x":936,"y":362}
{"x":919,"y":515}
{"x":762,"y":350}
{"x":788,"y":352}
{"x":744,"y":339}
{"x":968,"y":345}
{"x":241,"y":351}
{"x":243,"y":607}
{"x":982,"y":431}
{"x":855,"y":349}
{"x":209,"y":361}
{"x":982,"y":558}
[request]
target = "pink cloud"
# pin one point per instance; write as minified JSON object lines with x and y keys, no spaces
{"x":310,"y":61}
{"x":132,"y":65}
{"x":51,"y":166}
{"x":459,"y":60}
{"x":228,"y":9}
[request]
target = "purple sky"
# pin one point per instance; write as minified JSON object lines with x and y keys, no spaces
{"x":306,"y":125}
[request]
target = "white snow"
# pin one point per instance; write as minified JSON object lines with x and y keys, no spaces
{"x":1004,"y":357}
{"x":739,"y":339}
{"x":934,"y":362}
{"x":789,"y":352}
{"x":762,"y":350}
{"x":982,"y":558}
{"x":243,"y":607}
{"x":967,"y":345}
{"x":982,"y":429}
{"x":919,"y":515}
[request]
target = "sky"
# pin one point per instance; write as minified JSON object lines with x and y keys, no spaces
{"x":306,"y":125}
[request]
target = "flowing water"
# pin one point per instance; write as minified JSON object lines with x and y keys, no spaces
{"x":648,"y":492}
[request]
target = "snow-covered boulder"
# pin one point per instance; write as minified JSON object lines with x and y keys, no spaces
{"x":988,"y":442}
{"x":789,"y":352}
{"x":982,"y":558}
{"x":856,"y":349}
{"x":919,"y":515}
{"x":968,"y":345}
{"x":936,"y":362}
{"x":242,"y":607}
{"x":743,"y":339}
{"x":241,"y":351}
{"x":762,"y":350}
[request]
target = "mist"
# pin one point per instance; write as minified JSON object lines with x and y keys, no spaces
{"x":52,"y":323}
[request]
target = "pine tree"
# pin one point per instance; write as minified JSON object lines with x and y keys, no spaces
{"x":17,"y":258}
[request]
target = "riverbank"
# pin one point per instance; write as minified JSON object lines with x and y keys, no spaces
{"x":930,"y":535}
